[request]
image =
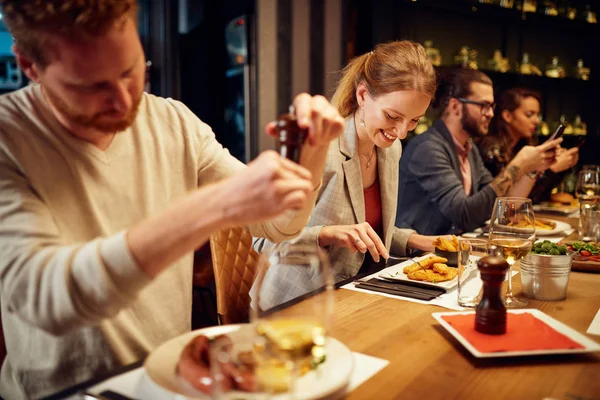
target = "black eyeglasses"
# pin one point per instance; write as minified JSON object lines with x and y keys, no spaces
{"x":485,"y":106}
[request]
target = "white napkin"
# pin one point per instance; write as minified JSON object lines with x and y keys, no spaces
{"x":127,"y":384}
{"x":594,"y":328}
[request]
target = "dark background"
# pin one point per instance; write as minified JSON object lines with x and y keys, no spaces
{"x":451,"y":24}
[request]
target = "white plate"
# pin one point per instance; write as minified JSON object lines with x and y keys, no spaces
{"x":588,"y":344}
{"x":559,"y":227}
{"x":161,"y":381}
{"x":555,"y":208}
{"x":394,"y":273}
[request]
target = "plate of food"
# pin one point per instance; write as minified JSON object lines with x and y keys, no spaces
{"x":543,"y":226}
{"x":529,"y":332}
{"x":429,"y":270}
{"x":169,"y":371}
{"x":586,"y":256}
{"x":560,"y":203}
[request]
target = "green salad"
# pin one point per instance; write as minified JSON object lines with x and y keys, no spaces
{"x":548,"y":248}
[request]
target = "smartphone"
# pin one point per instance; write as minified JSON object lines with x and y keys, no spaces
{"x":558,"y":132}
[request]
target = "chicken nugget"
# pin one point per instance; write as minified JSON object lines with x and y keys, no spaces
{"x":422,"y":275}
{"x":441,"y":268}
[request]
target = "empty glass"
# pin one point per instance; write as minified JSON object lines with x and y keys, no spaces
{"x":469,"y":280}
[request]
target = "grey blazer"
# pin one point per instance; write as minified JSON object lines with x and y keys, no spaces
{"x":340,"y":202}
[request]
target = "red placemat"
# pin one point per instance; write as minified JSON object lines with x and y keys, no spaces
{"x":523,"y":332}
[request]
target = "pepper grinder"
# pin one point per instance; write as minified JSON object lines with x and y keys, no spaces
{"x":290,"y":136}
{"x":490,"y":314}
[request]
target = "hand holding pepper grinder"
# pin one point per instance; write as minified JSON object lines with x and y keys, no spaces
{"x":490,"y":314}
{"x":290,"y":137}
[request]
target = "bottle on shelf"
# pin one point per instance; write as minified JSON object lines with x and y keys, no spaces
{"x":590,"y":16}
{"x":529,"y":6}
{"x":582,"y":72}
{"x":507,"y":3}
{"x":433,"y":53}
{"x":526,"y":68}
{"x":543,"y":128}
{"x":568,"y":127}
{"x":549,"y":8}
{"x":554,"y":69}
{"x":499,"y":63}
{"x":579,"y":127}
{"x":423,"y":124}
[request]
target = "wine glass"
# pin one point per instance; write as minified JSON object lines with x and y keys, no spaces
{"x":512,"y":233}
{"x":297,"y":336}
{"x":588,"y":193}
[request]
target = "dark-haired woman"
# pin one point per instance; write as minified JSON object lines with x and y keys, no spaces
{"x":514,"y":124}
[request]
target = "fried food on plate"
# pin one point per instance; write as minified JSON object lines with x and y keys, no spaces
{"x":427,"y":263}
{"x":539,"y":224}
{"x":432,"y":269}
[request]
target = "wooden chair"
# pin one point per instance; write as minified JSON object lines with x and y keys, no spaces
{"x":234,"y":263}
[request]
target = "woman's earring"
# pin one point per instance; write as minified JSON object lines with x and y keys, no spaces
{"x":362,"y":118}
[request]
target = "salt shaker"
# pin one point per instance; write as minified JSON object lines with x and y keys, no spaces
{"x":490,"y":314}
{"x":290,"y":136}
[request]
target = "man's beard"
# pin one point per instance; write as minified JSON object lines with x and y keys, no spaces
{"x":94,"y":121}
{"x":471,"y":125}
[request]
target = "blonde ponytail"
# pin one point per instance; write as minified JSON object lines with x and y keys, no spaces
{"x":390,"y":67}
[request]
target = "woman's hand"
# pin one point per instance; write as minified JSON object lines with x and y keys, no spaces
{"x":425,"y":243}
{"x":359,"y":237}
{"x":565,"y":159}
{"x":537,"y":158}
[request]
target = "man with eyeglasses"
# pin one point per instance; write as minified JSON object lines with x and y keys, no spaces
{"x":444,"y":186}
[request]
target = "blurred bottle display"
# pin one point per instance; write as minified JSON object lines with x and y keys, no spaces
{"x":526,"y":68}
{"x":582,"y":72}
{"x":543,"y":128}
{"x":529,"y":6}
{"x":466,"y":58}
{"x":423,"y":124}
{"x":550,"y":8}
{"x":554,"y":69}
{"x":590,"y":16}
{"x":499,"y":63}
{"x":433,"y":53}
{"x":579,"y":127}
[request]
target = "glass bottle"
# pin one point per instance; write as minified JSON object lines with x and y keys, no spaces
{"x":568,"y":127}
{"x":529,"y":6}
{"x":579,"y":127}
{"x":582,"y":72}
{"x":433,"y":53}
{"x":590,"y":16}
{"x":462,"y":58}
{"x":526,"y":68}
{"x":543,"y":128}
{"x":550,"y":8}
{"x":507,"y":3}
{"x":554,"y":69}
{"x":498,"y":63}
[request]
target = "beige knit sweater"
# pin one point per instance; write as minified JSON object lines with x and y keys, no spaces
{"x":74,"y":303}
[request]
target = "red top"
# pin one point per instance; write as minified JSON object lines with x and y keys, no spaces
{"x":373,"y":207}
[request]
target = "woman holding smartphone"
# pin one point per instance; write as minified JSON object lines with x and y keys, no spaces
{"x":515,"y":121}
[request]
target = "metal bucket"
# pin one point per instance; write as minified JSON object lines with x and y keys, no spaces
{"x":545,"y":277}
